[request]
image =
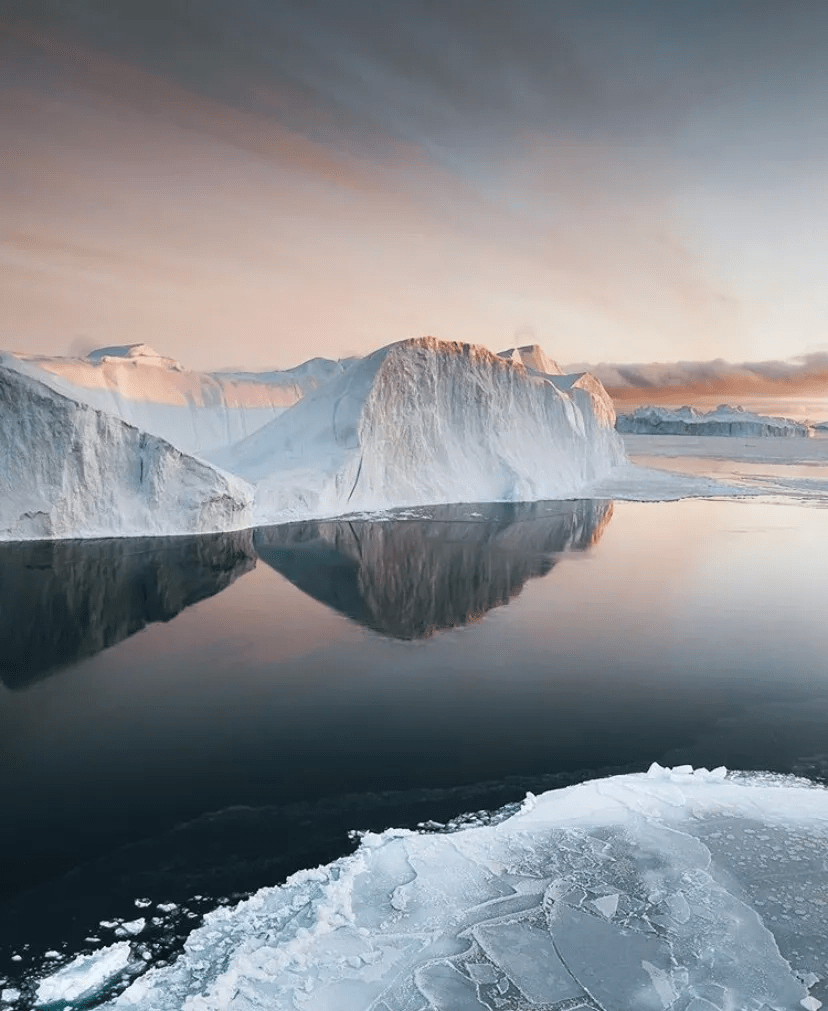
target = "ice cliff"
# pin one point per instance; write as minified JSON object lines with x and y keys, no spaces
{"x":724,"y":420}
{"x":68,"y":470}
{"x":424,"y":421}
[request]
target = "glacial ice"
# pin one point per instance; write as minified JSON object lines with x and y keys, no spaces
{"x":724,"y":420}
{"x":680,"y":889}
{"x":424,"y":422}
{"x":194,"y":411}
{"x":85,"y":976}
{"x":69,"y":470}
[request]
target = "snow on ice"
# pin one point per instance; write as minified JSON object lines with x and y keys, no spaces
{"x":681,"y":889}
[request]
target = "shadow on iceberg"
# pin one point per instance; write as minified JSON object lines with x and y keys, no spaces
{"x":65,"y":601}
{"x":410,"y":576}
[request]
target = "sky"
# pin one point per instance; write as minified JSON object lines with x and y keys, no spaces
{"x":255,"y":183}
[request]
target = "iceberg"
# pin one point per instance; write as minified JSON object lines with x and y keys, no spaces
{"x":399,"y":579}
{"x":194,"y":411}
{"x":674,"y":889}
{"x":724,"y":420}
{"x":424,"y":422}
{"x":70,"y":470}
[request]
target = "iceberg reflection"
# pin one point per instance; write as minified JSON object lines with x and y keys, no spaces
{"x":65,"y":601}
{"x":409,"y":576}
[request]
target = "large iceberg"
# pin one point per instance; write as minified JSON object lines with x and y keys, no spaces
{"x":425,"y":421}
{"x":194,"y":411}
{"x":69,"y":470}
{"x":724,"y":420}
{"x":674,"y":889}
{"x":118,"y":443}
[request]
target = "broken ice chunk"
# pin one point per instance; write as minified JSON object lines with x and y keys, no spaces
{"x":607,"y":905}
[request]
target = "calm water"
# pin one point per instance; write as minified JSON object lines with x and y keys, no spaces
{"x":190,"y":719}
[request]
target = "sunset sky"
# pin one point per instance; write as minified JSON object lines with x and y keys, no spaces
{"x":254,"y":183}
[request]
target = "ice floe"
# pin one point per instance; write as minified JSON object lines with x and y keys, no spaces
{"x":85,"y":976}
{"x":682,"y":889}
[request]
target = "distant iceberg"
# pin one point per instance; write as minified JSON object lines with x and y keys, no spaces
{"x":724,"y":420}
{"x":425,"y":422}
{"x":682,"y":889}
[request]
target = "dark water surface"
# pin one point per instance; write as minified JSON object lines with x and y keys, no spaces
{"x":189,"y":719}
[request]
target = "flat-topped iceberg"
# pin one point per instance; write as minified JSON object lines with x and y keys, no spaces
{"x":68,"y":470}
{"x":425,"y":422}
{"x":724,"y":420}
{"x":676,"y":889}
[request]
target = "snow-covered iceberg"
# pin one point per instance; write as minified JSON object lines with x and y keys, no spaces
{"x":402,"y":579}
{"x":724,"y":420}
{"x":422,"y":422}
{"x":194,"y":411}
{"x":674,"y":889}
{"x":69,"y":470}
{"x":67,"y":600}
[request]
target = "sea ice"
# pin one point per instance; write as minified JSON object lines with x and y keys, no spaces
{"x":85,"y":976}
{"x":676,"y":889}
{"x":131,"y":928}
